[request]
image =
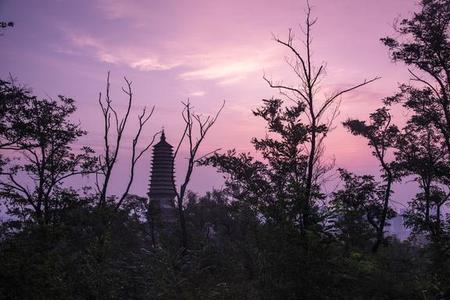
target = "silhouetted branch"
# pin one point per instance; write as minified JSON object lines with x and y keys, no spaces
{"x":419,"y":79}
{"x":108,"y":162}
{"x":203,"y":125}
{"x":305,"y":92}
{"x":331,"y":100}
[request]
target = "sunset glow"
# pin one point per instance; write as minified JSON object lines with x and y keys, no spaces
{"x":208,"y":51}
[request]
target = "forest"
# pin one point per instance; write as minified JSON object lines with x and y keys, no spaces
{"x":272,"y":231}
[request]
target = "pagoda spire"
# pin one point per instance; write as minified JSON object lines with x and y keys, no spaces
{"x":163,"y":135}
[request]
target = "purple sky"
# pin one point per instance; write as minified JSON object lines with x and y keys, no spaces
{"x":208,"y":51}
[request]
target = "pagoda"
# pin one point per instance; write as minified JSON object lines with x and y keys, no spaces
{"x":162,"y":183}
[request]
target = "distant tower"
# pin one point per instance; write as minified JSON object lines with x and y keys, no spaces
{"x":162,"y":185}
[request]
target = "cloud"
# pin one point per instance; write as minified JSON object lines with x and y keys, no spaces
{"x":90,"y":44}
{"x":151,"y":64}
{"x":197,"y":93}
{"x":132,"y":57}
{"x":196,"y":58}
{"x":222,"y":70}
{"x":231,"y":67}
{"x":119,"y":9}
{"x":164,"y":42}
{"x":225,"y":66}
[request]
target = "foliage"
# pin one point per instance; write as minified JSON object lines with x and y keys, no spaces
{"x":357,"y":208}
{"x":41,"y":134}
{"x":272,"y":232}
{"x":381,"y":135}
{"x":275,"y":188}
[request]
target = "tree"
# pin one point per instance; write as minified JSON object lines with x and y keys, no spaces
{"x":273,"y":188}
{"x":424,"y":45}
{"x":294,"y":164}
{"x":381,"y":135}
{"x":113,"y":143}
{"x":41,"y":133}
{"x":193,"y":122}
{"x":420,"y":153}
{"x":319,"y":111}
{"x":12,"y":99}
{"x":356,"y":207}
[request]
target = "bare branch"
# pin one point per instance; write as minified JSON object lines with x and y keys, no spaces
{"x":289,"y":44}
{"x":417,"y":78}
{"x":283,"y":87}
{"x":204,"y":125}
{"x":135,"y":157}
{"x":330,"y":100}
{"x":108,"y":164}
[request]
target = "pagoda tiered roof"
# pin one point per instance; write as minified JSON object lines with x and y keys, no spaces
{"x":162,"y":181}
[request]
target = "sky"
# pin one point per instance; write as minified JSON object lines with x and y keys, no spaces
{"x":205,"y":51}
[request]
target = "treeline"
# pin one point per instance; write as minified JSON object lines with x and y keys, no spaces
{"x":272,"y":232}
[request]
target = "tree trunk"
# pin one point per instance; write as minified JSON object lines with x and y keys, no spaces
{"x":380,"y":231}
{"x":182,"y":225}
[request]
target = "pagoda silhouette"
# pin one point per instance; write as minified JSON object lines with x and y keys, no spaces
{"x":161,"y":191}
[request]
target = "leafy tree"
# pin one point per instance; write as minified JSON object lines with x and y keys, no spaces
{"x":356,"y":208}
{"x":41,"y":133}
{"x":381,"y":135}
{"x":66,"y":262}
{"x":275,"y":188}
{"x":12,"y":99}
{"x":420,"y":153}
{"x":287,"y":188}
{"x":424,"y":44}
{"x":318,"y":111}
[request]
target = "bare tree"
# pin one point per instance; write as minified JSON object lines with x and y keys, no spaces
{"x":114,"y":124}
{"x":320,"y":110}
{"x":195,"y":130}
